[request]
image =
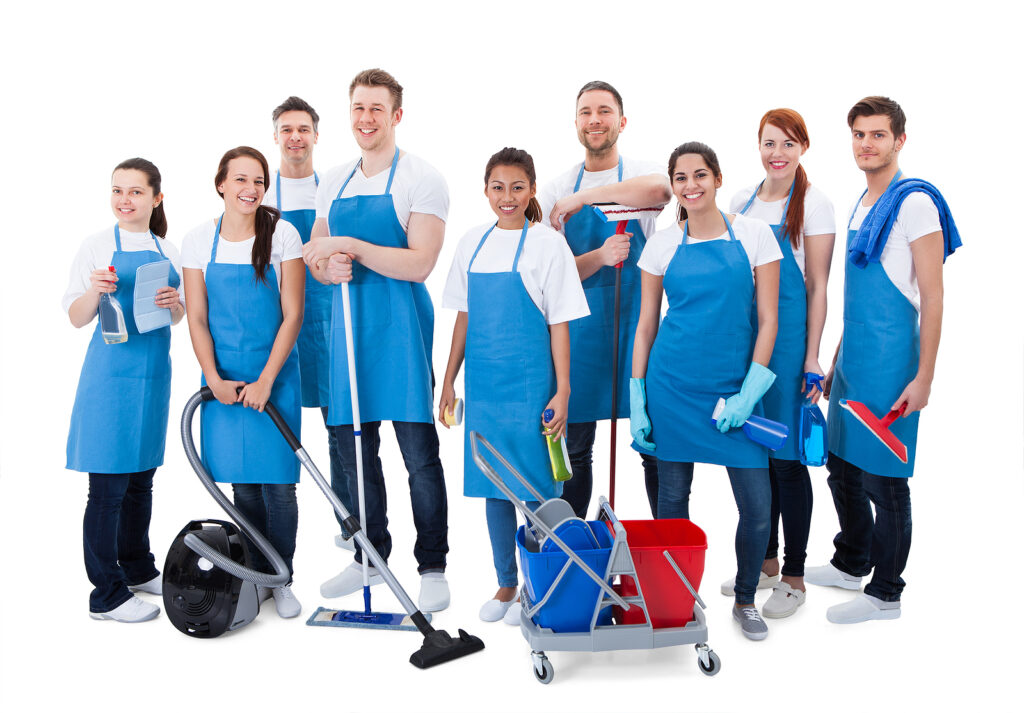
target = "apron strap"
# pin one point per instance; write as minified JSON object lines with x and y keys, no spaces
{"x":785,"y":209}
{"x":157,"y":243}
{"x":732,"y":235}
{"x":117,"y":238}
{"x":480,"y":245}
{"x":277,"y":187}
{"x":579,"y":178}
{"x":391,"y":176}
{"x":522,"y":241}
{"x":216,"y":239}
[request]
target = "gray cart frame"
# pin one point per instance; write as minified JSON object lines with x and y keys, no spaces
{"x":608,"y":637}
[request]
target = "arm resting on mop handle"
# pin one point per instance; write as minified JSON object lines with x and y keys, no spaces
{"x":493,"y":476}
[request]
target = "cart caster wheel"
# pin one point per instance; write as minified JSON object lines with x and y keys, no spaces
{"x":547,"y":674}
{"x":714,"y":664}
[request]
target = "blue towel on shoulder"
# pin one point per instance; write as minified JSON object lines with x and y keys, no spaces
{"x":870,"y":240}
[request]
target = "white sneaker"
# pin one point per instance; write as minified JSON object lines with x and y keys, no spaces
{"x":494,"y":609}
{"x":514,"y":615}
{"x":763,"y":582}
{"x":345,"y":543}
{"x":153,"y":586}
{"x":863,"y":607}
{"x":287,"y":605}
{"x":829,"y":576}
{"x":131,"y":612}
{"x":348,"y":580}
{"x":783,"y":602}
{"x":434,"y":592}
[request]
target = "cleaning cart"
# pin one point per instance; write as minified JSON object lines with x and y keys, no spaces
{"x":642,"y":599}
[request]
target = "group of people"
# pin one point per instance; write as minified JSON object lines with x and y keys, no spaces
{"x":535,"y":292}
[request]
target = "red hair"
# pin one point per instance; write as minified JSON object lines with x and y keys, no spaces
{"x":793,"y":126}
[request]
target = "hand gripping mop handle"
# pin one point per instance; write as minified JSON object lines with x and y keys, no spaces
{"x":493,"y":476}
{"x":263,"y":579}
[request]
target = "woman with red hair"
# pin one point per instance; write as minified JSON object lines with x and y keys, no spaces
{"x":803,"y":221}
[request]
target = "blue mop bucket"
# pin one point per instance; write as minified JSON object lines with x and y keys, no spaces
{"x":571,"y":605}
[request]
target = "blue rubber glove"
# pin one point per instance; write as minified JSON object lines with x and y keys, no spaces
{"x":739,"y":406}
{"x":639,"y":422}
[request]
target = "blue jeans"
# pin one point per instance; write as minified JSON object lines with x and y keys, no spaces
{"x":793,"y":498}
{"x":274,"y":511}
{"x":115,"y":536}
{"x":420,"y":451}
{"x":339,"y":483}
{"x":753,"y":493}
{"x":579,"y":441}
{"x":881,"y":541}
{"x":502,"y":526}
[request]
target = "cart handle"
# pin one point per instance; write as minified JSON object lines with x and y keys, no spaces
{"x":492,"y":475}
{"x":685,"y":580}
{"x":605,"y":508}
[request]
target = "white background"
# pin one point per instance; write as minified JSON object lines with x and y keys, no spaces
{"x":87,"y":85}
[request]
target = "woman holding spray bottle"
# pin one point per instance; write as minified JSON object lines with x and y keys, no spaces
{"x":516,"y":287}
{"x":710,"y":266}
{"x":803,"y":221}
{"x":119,"y":422}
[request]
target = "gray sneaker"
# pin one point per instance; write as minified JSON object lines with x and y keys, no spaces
{"x":751,"y":623}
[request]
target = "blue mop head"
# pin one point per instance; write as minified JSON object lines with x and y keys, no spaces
{"x":362,"y":620}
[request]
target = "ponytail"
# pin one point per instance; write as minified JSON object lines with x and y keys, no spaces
{"x":158,"y":219}
{"x":793,"y":221}
{"x":533,"y":211}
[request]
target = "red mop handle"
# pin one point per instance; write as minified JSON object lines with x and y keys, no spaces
{"x":893,"y":415}
{"x":620,"y":229}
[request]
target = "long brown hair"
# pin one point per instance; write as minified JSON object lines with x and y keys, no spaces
{"x":509,"y":156}
{"x":158,"y":219}
{"x":700,"y":149}
{"x":793,"y":126}
{"x":266,"y":217}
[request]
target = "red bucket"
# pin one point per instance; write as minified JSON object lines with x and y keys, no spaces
{"x":669,"y":602}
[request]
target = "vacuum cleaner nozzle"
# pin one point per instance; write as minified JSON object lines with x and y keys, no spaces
{"x":439,"y":647}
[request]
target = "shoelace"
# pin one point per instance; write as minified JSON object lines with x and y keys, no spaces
{"x":751,"y":613}
{"x":284,"y":592}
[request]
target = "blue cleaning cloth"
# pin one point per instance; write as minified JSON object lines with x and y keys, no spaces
{"x":870,"y":240}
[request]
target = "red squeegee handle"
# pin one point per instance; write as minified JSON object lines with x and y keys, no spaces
{"x":620,"y":229}
{"x":893,"y":415}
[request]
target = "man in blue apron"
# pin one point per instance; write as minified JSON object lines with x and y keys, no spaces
{"x":898,"y":237}
{"x":379,"y":226}
{"x":603,"y":177}
{"x":293,"y":192}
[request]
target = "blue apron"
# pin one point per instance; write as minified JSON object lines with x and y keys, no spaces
{"x":314,"y":337}
{"x":701,"y":354}
{"x":878,"y":357}
{"x":119,"y":421}
{"x":591,"y":338}
{"x":783,"y":401}
{"x":392,"y":320}
{"x":239,"y":444}
{"x":510,"y":378}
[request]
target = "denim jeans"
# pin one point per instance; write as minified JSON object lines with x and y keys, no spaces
{"x":881,"y":541}
{"x":339,"y":483}
{"x":579,"y":441}
{"x":502,"y":526}
{"x":753,"y":493}
{"x":274,"y":511}
{"x":793,"y":498}
{"x":420,"y":451}
{"x":115,"y":536}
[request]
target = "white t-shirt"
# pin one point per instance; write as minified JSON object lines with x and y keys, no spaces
{"x":97,"y":252}
{"x":917,"y":217}
{"x":546,"y":265}
{"x":563,"y":186}
{"x":195,"y":249}
{"x":756,"y":236}
{"x":819,"y":217}
{"x":417,"y":188}
{"x":296,"y":193}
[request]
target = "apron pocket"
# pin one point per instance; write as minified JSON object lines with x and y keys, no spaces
{"x":497,"y":381}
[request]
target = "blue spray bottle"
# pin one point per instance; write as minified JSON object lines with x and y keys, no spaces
{"x":813,"y":428}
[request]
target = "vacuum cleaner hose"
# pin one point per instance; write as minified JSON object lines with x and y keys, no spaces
{"x":195,"y":544}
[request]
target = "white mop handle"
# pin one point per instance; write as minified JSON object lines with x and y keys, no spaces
{"x":357,"y":427}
